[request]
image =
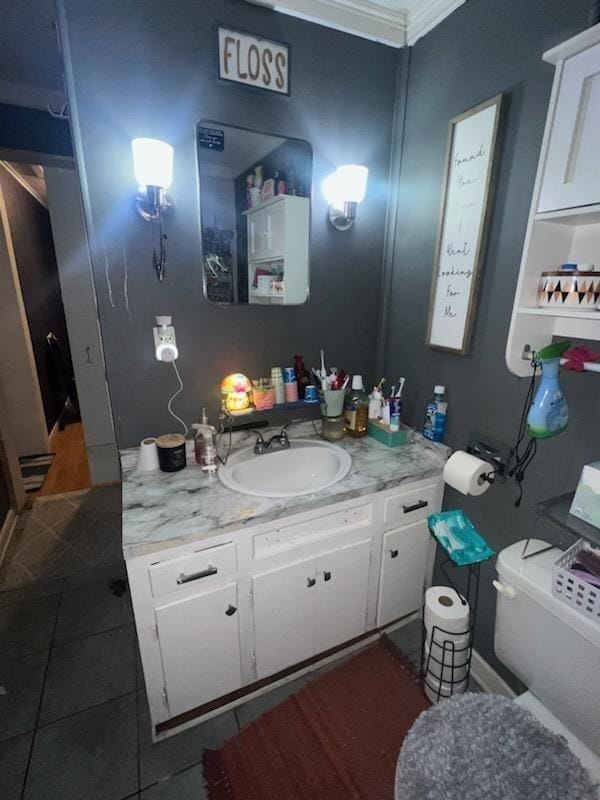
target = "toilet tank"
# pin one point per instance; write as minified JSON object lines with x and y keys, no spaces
{"x":551,"y":647}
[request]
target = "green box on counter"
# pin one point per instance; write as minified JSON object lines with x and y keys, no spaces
{"x":380,"y":431}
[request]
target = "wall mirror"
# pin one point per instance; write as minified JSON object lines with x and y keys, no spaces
{"x":255,"y":193}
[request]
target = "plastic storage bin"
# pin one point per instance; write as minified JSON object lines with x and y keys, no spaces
{"x":577,"y":592}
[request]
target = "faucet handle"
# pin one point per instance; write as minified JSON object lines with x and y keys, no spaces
{"x":260,"y":446}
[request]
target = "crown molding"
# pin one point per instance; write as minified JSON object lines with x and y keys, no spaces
{"x":369,"y":20}
{"x":360,"y":18}
{"x":426,"y":15}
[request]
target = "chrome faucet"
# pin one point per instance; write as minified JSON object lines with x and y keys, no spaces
{"x":279,"y":441}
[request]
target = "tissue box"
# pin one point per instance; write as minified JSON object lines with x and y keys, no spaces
{"x":586,"y":503}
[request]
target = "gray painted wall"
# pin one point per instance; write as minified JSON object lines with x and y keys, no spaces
{"x":150,"y":69}
{"x":482,"y":49}
{"x":4,"y":499}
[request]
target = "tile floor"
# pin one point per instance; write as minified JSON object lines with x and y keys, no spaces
{"x":74,"y":722}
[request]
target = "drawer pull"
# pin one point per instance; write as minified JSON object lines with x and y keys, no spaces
{"x":327,"y":575}
{"x":310,"y":582}
{"x":415,"y":507}
{"x":195,"y":576}
{"x":231,"y":610}
{"x":393,"y":554}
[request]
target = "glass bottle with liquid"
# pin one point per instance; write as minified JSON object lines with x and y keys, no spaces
{"x":356,"y":409}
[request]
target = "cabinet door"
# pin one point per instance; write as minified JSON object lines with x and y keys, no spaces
{"x":274,"y":237}
{"x":572,"y":170}
{"x":284,"y":617}
{"x":342,"y":579}
{"x":200,"y":647}
{"x":404,"y":565}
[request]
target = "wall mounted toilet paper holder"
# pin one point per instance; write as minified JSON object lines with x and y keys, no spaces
{"x":495,"y":453}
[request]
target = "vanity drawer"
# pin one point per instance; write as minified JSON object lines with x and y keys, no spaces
{"x":410,"y":506}
{"x":198,"y":568}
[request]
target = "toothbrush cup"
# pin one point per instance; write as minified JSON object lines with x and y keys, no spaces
{"x":332,"y":402}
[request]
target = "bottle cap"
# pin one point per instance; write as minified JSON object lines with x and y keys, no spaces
{"x":357,"y":382}
{"x":439,"y":389}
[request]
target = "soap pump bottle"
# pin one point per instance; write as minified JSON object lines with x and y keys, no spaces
{"x":205,"y":444}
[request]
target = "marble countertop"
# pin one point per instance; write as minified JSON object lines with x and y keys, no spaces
{"x":167,"y":509}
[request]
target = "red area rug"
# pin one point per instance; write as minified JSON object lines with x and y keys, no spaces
{"x":336,"y":739}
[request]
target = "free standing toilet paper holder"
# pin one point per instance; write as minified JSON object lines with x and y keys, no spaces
{"x":447,"y":659}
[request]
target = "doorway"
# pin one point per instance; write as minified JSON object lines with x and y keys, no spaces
{"x":56,"y":409}
{"x":35,"y":355}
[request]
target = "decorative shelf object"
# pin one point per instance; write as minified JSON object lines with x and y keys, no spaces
{"x":557,"y":511}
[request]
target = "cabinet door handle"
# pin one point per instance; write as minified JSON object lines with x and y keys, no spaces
{"x":327,"y":575}
{"x":231,"y":610}
{"x":415,"y":507}
{"x":195,"y":576}
{"x":393,"y":554}
{"x":310,"y":582}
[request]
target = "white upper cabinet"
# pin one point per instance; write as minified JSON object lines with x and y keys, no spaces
{"x":572,"y":170}
{"x":564,"y":219}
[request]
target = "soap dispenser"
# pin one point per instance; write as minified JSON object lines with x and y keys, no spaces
{"x":205,"y":444}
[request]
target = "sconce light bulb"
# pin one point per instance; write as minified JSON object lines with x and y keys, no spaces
{"x":152,"y":162}
{"x":352,"y":179}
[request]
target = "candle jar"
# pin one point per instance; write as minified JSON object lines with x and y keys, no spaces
{"x":332,"y":428}
{"x":264,"y":394}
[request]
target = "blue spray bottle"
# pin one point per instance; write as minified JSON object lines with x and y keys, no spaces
{"x":549,"y":413}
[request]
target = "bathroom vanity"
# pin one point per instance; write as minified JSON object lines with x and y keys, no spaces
{"x":232,"y":592}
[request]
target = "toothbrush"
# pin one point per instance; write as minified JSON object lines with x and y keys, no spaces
{"x":346,"y":382}
{"x":323,"y":370}
{"x":400,"y":387}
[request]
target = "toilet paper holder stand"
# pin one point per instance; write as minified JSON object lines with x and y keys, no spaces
{"x":447,"y":659}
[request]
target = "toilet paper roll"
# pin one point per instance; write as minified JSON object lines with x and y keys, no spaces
{"x":440,"y":664}
{"x":443,"y":609}
{"x":148,"y":455}
{"x":433,"y":687}
{"x":465,"y":473}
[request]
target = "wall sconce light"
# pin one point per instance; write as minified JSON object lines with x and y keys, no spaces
{"x":343,"y":190}
{"x":153,"y":169}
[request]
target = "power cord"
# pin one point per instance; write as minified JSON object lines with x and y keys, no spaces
{"x":177,"y":393}
{"x":524,"y":459}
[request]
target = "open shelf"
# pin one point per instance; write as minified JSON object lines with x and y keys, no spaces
{"x":572,"y":313}
{"x":557,"y":511}
{"x":583,"y":215}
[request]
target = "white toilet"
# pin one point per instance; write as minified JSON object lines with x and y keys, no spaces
{"x":552,"y":648}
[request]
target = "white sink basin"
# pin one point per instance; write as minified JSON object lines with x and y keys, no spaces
{"x":308,"y":466}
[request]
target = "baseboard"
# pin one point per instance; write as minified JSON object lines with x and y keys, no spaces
{"x":488,"y":678}
{"x":6,"y":532}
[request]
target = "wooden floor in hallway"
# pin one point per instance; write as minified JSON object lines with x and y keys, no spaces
{"x":70,"y":469}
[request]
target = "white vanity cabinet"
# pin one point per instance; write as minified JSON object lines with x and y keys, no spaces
{"x":217,"y":618}
{"x":309,"y":607}
{"x":572,"y":169}
{"x":404,"y":551}
{"x":199,"y":643}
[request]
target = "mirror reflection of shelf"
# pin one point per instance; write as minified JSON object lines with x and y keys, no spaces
{"x":278,"y":242}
